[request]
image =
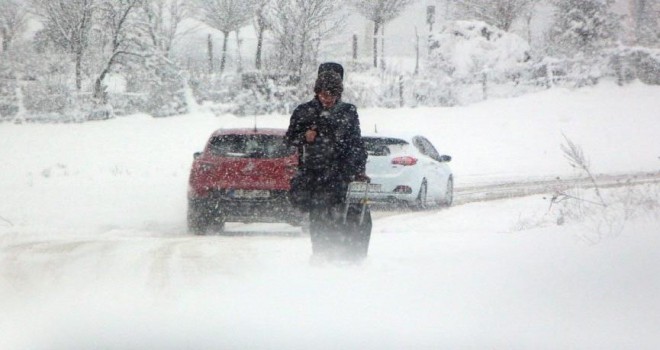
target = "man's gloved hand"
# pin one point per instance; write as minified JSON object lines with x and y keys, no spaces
{"x":310,"y":135}
{"x":361,"y":177}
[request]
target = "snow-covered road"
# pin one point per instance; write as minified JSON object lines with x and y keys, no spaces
{"x":94,"y":251}
{"x":492,"y":274}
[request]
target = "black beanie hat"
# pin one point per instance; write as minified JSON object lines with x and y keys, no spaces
{"x":329,"y":81}
{"x":333,"y":67}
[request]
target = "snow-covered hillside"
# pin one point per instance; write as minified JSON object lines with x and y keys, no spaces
{"x":94,"y":252}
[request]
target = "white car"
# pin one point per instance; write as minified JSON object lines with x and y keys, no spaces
{"x":408,"y":170}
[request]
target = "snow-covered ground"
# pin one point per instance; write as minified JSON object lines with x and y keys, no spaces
{"x":94,"y":252}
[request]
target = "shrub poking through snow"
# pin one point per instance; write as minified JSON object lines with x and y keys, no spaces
{"x":603,"y":213}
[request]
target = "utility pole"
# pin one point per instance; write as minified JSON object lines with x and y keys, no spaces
{"x":416,"y":51}
{"x":430,"y":17}
{"x":382,"y":46}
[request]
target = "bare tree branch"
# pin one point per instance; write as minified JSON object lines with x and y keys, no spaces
{"x":299,"y":26}
{"x":226,"y":16}
{"x":163,"y":22}
{"x":127,"y":29}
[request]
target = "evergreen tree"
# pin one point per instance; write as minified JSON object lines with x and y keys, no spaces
{"x":584,"y":26}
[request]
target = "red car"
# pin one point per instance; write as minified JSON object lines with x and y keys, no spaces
{"x":242,"y":175}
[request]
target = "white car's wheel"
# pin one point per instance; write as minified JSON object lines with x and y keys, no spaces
{"x":421,"y":203}
{"x":449,"y":194}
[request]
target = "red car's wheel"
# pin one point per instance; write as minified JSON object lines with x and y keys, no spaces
{"x":202,"y":217}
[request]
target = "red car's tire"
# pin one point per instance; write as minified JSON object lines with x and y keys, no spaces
{"x":202,"y":217}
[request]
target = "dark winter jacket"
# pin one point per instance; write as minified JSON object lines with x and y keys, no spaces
{"x":338,"y":153}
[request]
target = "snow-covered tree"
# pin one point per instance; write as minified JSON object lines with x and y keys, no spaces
{"x":13,"y":19}
{"x":380,"y":12}
{"x":165,"y":82}
{"x":646,"y":20}
{"x":226,"y":16}
{"x":67,"y":24}
{"x":298,"y":27}
{"x":499,"y":13}
{"x":133,"y":43}
{"x":584,"y":26}
{"x":125,"y":33}
{"x":261,"y":24}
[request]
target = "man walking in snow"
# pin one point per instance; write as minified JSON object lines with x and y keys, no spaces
{"x":326,"y":132}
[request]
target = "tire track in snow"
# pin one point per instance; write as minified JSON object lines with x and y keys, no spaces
{"x":502,"y":190}
{"x":488,"y":191}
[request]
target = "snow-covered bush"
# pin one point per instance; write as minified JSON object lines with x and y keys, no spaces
{"x":578,"y":71}
{"x":212,"y":88}
{"x":622,"y":64}
{"x":629,"y":63}
{"x":432,"y":92}
{"x":127,"y":103}
{"x":47,"y":90}
{"x":250,"y":93}
{"x":467,"y":49}
{"x":605,"y":213}
{"x":375,"y":88}
{"x":153,"y":87}
{"x":166,"y":93}
{"x":465,"y":58}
